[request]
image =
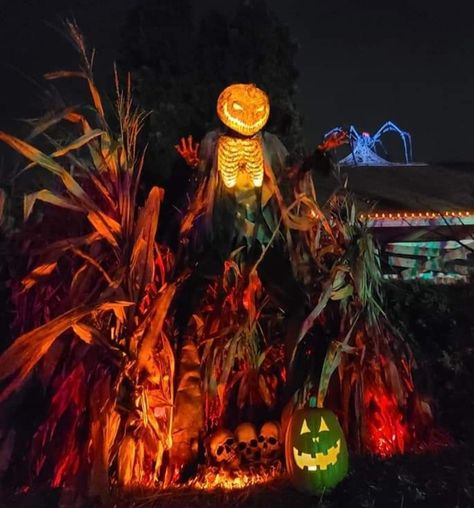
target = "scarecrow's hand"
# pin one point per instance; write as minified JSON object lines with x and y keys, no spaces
{"x":335,"y":140}
{"x":188,"y":150}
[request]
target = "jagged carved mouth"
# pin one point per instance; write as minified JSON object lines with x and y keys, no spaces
{"x":254,"y":127}
{"x":318,"y":461}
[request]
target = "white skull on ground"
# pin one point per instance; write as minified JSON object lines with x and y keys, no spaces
{"x":269,"y":442}
{"x":247,"y":442}
{"x":222,"y":449}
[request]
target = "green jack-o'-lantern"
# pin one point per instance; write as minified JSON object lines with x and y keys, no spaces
{"x":315,"y":449}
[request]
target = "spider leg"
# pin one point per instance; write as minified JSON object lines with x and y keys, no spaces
{"x":354,"y":138}
{"x":405,"y":136}
{"x":353,"y":134}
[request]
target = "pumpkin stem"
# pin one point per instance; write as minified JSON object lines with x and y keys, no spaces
{"x":313,"y":402}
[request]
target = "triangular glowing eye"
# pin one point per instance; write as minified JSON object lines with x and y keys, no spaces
{"x":323,"y":426}
{"x":237,"y":106}
{"x":304,"y":428}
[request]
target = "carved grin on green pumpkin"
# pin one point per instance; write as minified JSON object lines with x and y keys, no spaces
{"x":316,"y":461}
{"x":316,"y":450}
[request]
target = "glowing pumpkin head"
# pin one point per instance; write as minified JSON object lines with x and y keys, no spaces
{"x":315,"y":450}
{"x":244,"y":108}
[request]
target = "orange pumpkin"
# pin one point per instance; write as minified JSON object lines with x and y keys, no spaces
{"x":244,"y":108}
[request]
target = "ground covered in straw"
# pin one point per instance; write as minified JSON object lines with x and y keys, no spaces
{"x":445,"y":479}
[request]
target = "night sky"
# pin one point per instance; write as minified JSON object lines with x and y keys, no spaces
{"x":361,"y":62}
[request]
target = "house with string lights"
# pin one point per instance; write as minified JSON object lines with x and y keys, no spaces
{"x":422,"y":217}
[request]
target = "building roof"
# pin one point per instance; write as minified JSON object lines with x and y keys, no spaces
{"x":413,"y":188}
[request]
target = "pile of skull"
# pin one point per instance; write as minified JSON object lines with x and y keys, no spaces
{"x":245,"y":447}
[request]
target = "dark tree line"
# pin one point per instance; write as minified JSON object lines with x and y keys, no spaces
{"x":180,"y":64}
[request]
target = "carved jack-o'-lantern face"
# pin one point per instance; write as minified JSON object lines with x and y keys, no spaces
{"x":316,"y":451}
{"x":313,"y":460}
{"x":244,"y":108}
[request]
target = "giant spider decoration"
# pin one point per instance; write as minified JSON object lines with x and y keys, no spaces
{"x":364,"y":146}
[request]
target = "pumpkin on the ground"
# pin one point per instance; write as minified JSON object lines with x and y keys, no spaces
{"x":315,"y":449}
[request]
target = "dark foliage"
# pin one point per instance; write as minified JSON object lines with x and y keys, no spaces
{"x":179,"y":69}
{"x":439,"y":323}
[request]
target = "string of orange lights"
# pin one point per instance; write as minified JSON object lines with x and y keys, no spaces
{"x":416,"y":215}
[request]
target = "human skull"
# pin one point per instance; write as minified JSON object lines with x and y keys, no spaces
{"x":269,"y":442}
{"x":222,"y":448}
{"x":247,"y":442}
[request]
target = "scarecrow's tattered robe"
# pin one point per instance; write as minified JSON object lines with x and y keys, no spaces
{"x":241,"y":216}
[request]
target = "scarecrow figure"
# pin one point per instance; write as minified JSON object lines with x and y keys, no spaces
{"x":236,"y":172}
{"x":243,"y":174}
{"x":244,"y":185}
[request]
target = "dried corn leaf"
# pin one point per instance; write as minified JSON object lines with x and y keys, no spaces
{"x":50,"y":256}
{"x":86,"y":333}
{"x":188,"y":418}
{"x":50,"y":164}
{"x":81,"y":141}
{"x":139,"y":465}
{"x":99,"y":478}
{"x":126,"y":461}
{"x":77,"y":74}
{"x":142,"y":263}
{"x":38,"y":273}
{"x":343,"y":292}
{"x":104,"y":428}
{"x":47,"y":196}
{"x":96,"y":98}
{"x":78,"y":118}
{"x":102,"y":225}
{"x":64,"y":74}
{"x":153,"y":331}
{"x":264,"y":391}
{"x":23,"y":355}
{"x":49,"y":120}
{"x":118,"y":308}
{"x":109,"y":151}
{"x":333,"y":359}
{"x":56,"y":249}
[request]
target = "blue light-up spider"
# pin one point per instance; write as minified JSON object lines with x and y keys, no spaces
{"x":364,"y":147}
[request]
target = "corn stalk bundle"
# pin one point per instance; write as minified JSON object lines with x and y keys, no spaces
{"x":372,"y":389}
{"x":242,"y":358}
{"x":93,"y":311}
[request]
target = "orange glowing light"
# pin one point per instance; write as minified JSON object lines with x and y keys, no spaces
{"x":213,"y":478}
{"x":416,"y":215}
{"x":238,"y":158}
{"x":244,"y":108}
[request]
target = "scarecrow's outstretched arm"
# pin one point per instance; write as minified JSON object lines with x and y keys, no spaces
{"x":189,"y":151}
{"x":334,"y":140}
{"x":320,"y":157}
